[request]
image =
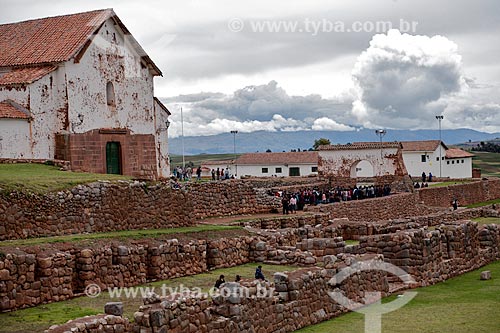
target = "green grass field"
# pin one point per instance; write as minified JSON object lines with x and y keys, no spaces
{"x":487,"y":220}
{"x":489,"y":163}
{"x":463,"y":304}
{"x":39,"y":318}
{"x":176,"y":160}
{"x":39,"y":178}
{"x":125,"y":234}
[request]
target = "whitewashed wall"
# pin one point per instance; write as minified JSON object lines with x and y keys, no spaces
{"x":162,"y":141}
{"x":346,"y":160}
{"x":15,"y":138}
{"x":46,"y":100}
{"x":256,"y":170}
{"x":458,"y":169}
{"x":110,"y":59}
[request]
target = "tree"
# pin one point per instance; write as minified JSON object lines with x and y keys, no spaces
{"x":320,"y":142}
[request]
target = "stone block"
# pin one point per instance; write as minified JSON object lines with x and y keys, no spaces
{"x":485,"y":275}
{"x":114,"y":308}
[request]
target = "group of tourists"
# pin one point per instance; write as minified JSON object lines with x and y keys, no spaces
{"x":425,"y":179}
{"x":184,"y":173}
{"x":258,"y":276}
{"x":221,"y":174}
{"x":291,"y":202}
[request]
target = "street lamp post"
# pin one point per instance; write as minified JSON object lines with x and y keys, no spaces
{"x":234,"y":132}
{"x":439,"y":118}
{"x":381,"y":133}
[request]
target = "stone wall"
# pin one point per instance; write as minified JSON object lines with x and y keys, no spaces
{"x":405,"y":205}
{"x":92,"y":324}
{"x":431,"y":256}
{"x":105,"y":206}
{"x":30,"y":277}
{"x":383,"y":208}
{"x":293,"y":301}
{"x":466,"y":194}
{"x":355,"y":229}
{"x":229,"y":197}
{"x":97,"y":207}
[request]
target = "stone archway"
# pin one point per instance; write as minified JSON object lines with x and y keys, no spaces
{"x":386,"y":159}
{"x":362,"y":169}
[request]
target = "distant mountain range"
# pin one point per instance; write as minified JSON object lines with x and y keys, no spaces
{"x":285,"y":141}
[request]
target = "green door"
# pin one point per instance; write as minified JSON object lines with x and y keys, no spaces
{"x":294,"y":172}
{"x":113,"y":158}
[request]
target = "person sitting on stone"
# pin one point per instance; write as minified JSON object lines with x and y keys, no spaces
{"x":258,"y":274}
{"x":220,"y":281}
{"x":237,"y":279}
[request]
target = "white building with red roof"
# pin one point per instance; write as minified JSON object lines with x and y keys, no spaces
{"x":80,"y":88}
{"x":433,"y":156}
{"x":304,"y":163}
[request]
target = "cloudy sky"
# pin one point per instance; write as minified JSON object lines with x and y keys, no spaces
{"x":320,"y":65}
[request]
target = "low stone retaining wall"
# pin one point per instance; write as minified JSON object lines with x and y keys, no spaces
{"x":376,"y":209}
{"x":431,"y":256}
{"x":287,"y":221}
{"x":98,"y":207}
{"x":293,"y":301}
{"x":466,"y":194}
{"x":92,"y":324}
{"x":356,"y":229}
{"x":406,"y":205}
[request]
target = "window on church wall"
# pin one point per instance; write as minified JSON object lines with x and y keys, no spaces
{"x":110,"y":95}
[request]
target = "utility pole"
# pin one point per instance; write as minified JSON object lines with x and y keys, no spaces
{"x":234,"y":132}
{"x":381,"y":133}
{"x":439,"y":118}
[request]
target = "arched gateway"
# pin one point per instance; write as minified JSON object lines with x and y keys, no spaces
{"x":385,"y":159}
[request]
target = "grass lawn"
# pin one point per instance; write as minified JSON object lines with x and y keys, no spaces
{"x":448,"y":183}
{"x":487,"y":220}
{"x":484,"y":203}
{"x":176,"y":160}
{"x":132,"y":234}
{"x":40,"y":178}
{"x":39,"y":318}
{"x":462,"y":304}
{"x":489,"y":163}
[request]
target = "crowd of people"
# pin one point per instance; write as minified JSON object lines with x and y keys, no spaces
{"x":291,"y":202}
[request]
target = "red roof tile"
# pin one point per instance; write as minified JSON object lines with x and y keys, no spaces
{"x":457,"y":153}
{"x":303,"y":157}
{"x":361,"y":145}
{"x":426,"y":146}
{"x":9,"y":109}
{"x":55,"y":39}
{"x":24,"y":75}
{"x":221,"y":162}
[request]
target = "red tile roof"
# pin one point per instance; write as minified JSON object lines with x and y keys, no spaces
{"x":426,"y":146}
{"x":55,"y":39}
{"x":303,"y":157}
{"x":457,"y":153}
{"x":362,"y":145}
{"x":222,"y":162}
{"x":24,"y":75}
{"x":9,"y":109}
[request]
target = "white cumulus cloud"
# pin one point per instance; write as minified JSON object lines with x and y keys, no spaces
{"x":401,"y":80}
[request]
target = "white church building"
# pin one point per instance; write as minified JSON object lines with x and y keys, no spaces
{"x":80,"y":88}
